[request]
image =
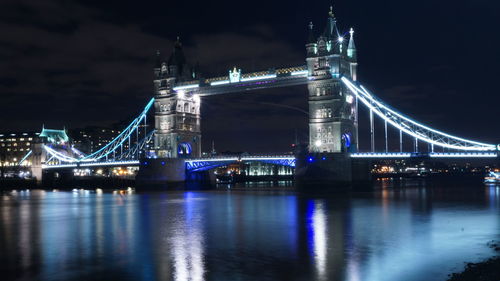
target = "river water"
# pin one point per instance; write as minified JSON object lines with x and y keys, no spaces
{"x":405,"y":232}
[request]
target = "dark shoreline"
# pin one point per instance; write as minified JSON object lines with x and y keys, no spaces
{"x":488,"y":270}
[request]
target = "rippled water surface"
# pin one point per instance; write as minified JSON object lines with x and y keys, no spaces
{"x":412,"y":232}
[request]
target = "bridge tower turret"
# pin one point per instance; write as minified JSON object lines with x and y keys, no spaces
{"x":177,"y":111}
{"x":332,"y":110}
{"x":352,"y":56}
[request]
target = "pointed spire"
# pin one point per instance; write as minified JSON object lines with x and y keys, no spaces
{"x":311,"y":38}
{"x":351,"y":39}
{"x":351,"y":48}
{"x":331,"y":30}
{"x":158,"y":59}
{"x":330,"y":14}
{"x":195,"y":70}
{"x":177,"y":45}
{"x":177,"y":60}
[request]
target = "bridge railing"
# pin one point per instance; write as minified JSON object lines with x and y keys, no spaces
{"x":394,"y":155}
{"x":411,"y":127}
{"x":111,"y":152}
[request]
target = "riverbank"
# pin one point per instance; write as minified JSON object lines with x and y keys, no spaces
{"x":488,"y":270}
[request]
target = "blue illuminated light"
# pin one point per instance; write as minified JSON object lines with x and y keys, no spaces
{"x":203,"y":164}
{"x":310,"y":159}
{"x":184,"y":149}
{"x":346,"y":137}
{"x":323,"y":158}
{"x":163,"y":163}
{"x":120,"y":139}
{"x":25,"y":157}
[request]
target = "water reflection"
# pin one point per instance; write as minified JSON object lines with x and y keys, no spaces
{"x":400,"y":232}
{"x":185,"y":238}
{"x":319,"y":237}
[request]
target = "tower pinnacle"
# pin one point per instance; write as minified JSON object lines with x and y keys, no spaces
{"x":311,"y":38}
{"x":330,"y":13}
{"x":331,"y":31}
{"x":158,"y":59}
{"x":351,"y":48}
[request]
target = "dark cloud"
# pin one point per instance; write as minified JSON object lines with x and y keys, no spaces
{"x":78,"y":63}
{"x":252,"y":49}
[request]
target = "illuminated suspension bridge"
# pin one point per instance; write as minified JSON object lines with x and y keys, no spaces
{"x":114,"y":154}
{"x":334,"y":98}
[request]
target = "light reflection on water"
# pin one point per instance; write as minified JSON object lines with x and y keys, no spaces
{"x":394,"y":233}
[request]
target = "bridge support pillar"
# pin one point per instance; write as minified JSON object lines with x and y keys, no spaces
{"x":330,"y":172}
{"x":361,"y":173}
{"x":37,"y":158}
{"x":161,"y":173}
{"x":200,"y":180}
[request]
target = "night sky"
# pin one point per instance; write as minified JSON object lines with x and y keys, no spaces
{"x":79,"y":63}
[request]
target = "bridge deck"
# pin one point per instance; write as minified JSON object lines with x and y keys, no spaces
{"x":289,"y":160}
{"x":282,"y":77}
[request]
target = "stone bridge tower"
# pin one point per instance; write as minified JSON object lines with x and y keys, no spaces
{"x":177,"y":111}
{"x":332,"y":108}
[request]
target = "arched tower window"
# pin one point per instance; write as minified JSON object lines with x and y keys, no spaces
{"x":186,"y":107}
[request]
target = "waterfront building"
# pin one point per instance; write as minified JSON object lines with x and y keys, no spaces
{"x":93,"y":138}
{"x":14,"y":146}
{"x":16,"y":149}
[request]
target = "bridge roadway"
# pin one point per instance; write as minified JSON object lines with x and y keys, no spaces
{"x":200,"y":164}
{"x":272,"y":78}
